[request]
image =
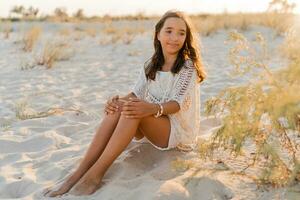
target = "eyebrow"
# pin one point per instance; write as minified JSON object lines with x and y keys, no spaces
{"x":172,"y":28}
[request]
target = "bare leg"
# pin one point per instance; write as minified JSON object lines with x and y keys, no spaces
{"x":123,"y":134}
{"x":95,"y":149}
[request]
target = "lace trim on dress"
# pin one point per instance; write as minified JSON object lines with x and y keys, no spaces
{"x":179,"y":90}
{"x":140,"y":85}
{"x":184,"y":81}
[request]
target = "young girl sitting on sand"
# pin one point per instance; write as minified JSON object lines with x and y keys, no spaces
{"x":162,"y":109}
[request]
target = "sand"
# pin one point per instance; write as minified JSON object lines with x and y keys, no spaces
{"x":40,"y":152}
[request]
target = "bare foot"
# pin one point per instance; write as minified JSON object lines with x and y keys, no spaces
{"x":86,"y":186}
{"x":60,"y":190}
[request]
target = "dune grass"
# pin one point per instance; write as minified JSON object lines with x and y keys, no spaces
{"x":265,"y":113}
{"x":30,"y":38}
{"x":125,"y":34}
{"x":24,"y":111}
{"x":53,"y":52}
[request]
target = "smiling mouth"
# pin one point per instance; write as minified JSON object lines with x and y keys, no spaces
{"x":173,"y":45}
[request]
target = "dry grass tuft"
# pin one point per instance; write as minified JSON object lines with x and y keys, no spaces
{"x":53,"y":52}
{"x":113,"y":34}
{"x":209,"y":24}
{"x":182,"y":165}
{"x":91,"y":32}
{"x":30,"y":38}
{"x":291,"y":45}
{"x":25,"y":112}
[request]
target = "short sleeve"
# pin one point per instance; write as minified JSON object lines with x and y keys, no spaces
{"x":184,"y":83}
{"x":140,"y":85}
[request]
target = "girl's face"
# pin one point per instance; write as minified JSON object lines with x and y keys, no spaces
{"x":172,"y":35}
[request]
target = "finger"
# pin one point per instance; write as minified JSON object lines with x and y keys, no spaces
{"x":131,"y":116}
{"x":110,"y":111}
{"x":112,"y":108}
{"x":128,"y":108}
{"x":114,"y":104}
{"x":134,"y":99}
{"x":125,"y":112}
{"x":106,"y":111}
{"x":128,"y":113}
{"x":123,"y":100}
{"x":129,"y":103}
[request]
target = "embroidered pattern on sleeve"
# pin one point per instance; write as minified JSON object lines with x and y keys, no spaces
{"x":183,"y":83}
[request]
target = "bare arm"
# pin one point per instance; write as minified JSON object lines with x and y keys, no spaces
{"x":170,"y":107}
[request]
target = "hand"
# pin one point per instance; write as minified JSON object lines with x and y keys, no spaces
{"x":111,"y":105}
{"x":136,"y":108}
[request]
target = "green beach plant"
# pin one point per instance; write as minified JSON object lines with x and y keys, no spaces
{"x":264,"y":113}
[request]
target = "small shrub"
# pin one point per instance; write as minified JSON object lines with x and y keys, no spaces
{"x":53,"y":52}
{"x":31,"y":38}
{"x":264,"y":113}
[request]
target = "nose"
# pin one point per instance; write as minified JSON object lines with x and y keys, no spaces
{"x":174,"y":37}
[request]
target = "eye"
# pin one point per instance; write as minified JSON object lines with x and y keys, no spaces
{"x":181,"y":33}
{"x":168,"y":31}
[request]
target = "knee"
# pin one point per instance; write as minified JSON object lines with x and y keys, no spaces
{"x":120,"y":107}
{"x":118,"y":112}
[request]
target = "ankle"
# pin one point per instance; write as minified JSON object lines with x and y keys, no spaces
{"x":73,"y":178}
{"x":94,"y":177}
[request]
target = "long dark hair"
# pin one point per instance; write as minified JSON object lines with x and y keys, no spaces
{"x":190,"y":49}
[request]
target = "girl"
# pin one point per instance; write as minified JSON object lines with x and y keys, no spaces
{"x":162,"y":109}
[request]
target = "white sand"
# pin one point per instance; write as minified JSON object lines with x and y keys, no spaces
{"x":37,"y":153}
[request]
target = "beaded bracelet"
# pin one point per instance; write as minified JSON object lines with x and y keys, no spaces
{"x":160,"y":111}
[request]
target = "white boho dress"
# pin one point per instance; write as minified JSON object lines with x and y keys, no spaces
{"x":181,"y":87}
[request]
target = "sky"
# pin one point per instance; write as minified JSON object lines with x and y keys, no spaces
{"x":147,"y":7}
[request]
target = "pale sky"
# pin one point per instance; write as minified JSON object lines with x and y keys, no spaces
{"x":120,"y":7}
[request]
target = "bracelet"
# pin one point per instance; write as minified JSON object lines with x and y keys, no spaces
{"x":160,"y":111}
{"x":158,"y":114}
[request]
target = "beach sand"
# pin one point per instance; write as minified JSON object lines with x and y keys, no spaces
{"x":40,"y":152}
